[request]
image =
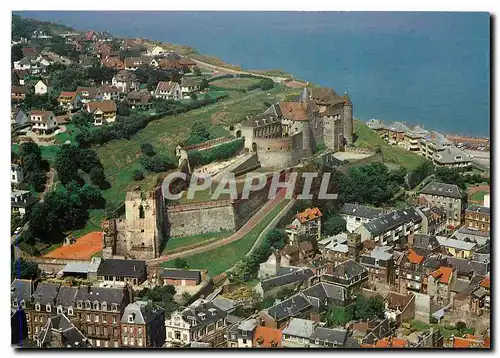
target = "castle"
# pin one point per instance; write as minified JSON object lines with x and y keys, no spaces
{"x":289,"y":131}
{"x":140,"y":234}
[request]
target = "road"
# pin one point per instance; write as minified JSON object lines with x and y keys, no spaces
{"x":228,"y":70}
{"x":245,"y":229}
{"x":14,"y":237}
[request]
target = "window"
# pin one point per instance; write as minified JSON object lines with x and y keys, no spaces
{"x":96,"y":318}
{"x":177,"y":335}
{"x":106,"y":344}
{"x":139,"y":330}
{"x":114,"y":319}
{"x":104,"y":318}
{"x":139,"y":342}
{"x":132,"y":341}
{"x":141,"y":212}
{"x":88,"y":318}
{"x":125,"y":329}
{"x":104,"y":306}
{"x":105,"y":330}
{"x":244,"y":341}
{"x":36,"y":329}
{"x":37,"y":307}
{"x":70,"y":311}
{"x":96,"y":306}
{"x":87,"y":305}
{"x":36,"y":318}
{"x":23,"y":304}
{"x":48,"y":308}
{"x":125,"y":341}
{"x":98,"y":330}
{"x":59,"y":309}
{"x":116,"y":344}
{"x":79,"y":304}
{"x":114,"y":307}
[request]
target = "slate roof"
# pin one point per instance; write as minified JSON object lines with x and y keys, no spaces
{"x":478,"y":209}
{"x":290,"y":278}
{"x":425,"y":242}
{"x":224,"y":304}
{"x":71,"y":336}
{"x":325,"y":290}
{"x":72,"y":267}
{"x":464,"y":233}
{"x":125,"y":76}
{"x":375,"y":124}
{"x":442,"y":189}
{"x":142,"y":312}
{"x":66,"y":296}
{"x":180,"y":274}
{"x":362,"y":211}
{"x":333,"y":335}
{"x":392,"y":220}
{"x":452,"y":155}
{"x":396,"y":300}
{"x":460,"y":285}
{"x":467,"y":267}
{"x":299,"y":327}
{"x":454,"y":243}
{"x":290,"y":307}
{"x":210,"y":312}
{"x":45,"y":293}
{"x":397,"y":127}
{"x":101,"y":294}
{"x":120,"y":267}
{"x":325,"y":96}
{"x":348,"y":270}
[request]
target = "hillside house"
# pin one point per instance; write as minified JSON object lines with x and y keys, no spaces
{"x":103,"y":112}
{"x":43,"y":122}
{"x":306,"y":223}
{"x":168,"y":90}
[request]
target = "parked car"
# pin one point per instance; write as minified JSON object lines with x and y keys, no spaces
{"x":18,"y":230}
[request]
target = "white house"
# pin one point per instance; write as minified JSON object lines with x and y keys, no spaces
{"x":16,"y":174}
{"x":156,"y":51}
{"x":125,"y":81}
{"x":41,"y":87}
{"x":103,"y":111}
{"x":356,"y":215}
{"x":18,"y":117}
{"x":43,"y":122}
{"x":23,"y":64}
{"x":21,"y":201}
{"x":190,"y":85}
{"x":168,"y":90}
{"x":108,"y":92}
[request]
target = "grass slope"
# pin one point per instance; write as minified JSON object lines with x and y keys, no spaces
{"x":367,"y":138}
{"x":177,"y":242}
{"x":222,"y":258}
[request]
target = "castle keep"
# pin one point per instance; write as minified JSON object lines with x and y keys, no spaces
{"x":289,"y":131}
{"x":139,"y":235}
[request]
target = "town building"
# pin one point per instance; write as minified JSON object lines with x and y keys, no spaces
{"x":265,"y":337}
{"x":88,"y":94}
{"x":379,"y":263}
{"x":103,"y":111}
{"x":177,"y":277}
{"x":241,"y":334}
{"x":393,"y":227}
{"x":122,"y":272}
{"x":143,"y":325}
{"x":190,"y":85}
{"x":168,"y":90}
{"x":294,"y":280}
{"x":477,"y":218}
{"x":16,"y":174}
{"x":200,"y":323}
{"x":306,"y":224}
{"x":439,"y":284}
{"x":69,"y":101}
{"x":60,"y":332}
{"x":43,"y":122}
{"x":434,"y":219}
{"x":446,"y":196}
{"x":350,"y":275}
{"x":400,"y":307}
{"x":335,"y":249}
{"x":20,"y":295}
{"x":42,"y":87}
{"x":108,"y":92}
{"x":452,"y":157}
{"x":303,"y":333}
{"x":18,"y":93}
{"x":139,"y":100}
{"x":18,"y":117}
{"x":355,"y":215}
{"x":126,"y":81}
{"x":21,"y":201}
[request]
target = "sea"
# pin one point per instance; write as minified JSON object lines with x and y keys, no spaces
{"x":426,"y":68}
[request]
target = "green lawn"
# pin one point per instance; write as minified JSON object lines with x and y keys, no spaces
{"x":367,"y":138}
{"x":235,"y":82}
{"x":177,"y":242}
{"x":222,"y":258}
{"x":478,"y":196}
{"x":48,"y":151}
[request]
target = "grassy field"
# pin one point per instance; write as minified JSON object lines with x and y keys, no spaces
{"x":177,"y":242}
{"x":121,"y":157}
{"x":367,"y":138}
{"x":478,"y":196}
{"x":222,"y":258}
{"x":235,"y":83}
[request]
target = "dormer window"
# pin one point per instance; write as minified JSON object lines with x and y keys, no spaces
{"x":104,"y":306}
{"x":114,"y":307}
{"x":70,"y":311}
{"x":37,"y":307}
{"x":96,"y":306}
{"x":131,"y":318}
{"x":59,"y":309}
{"x":87,"y":305}
{"x":48,"y":308}
{"x":23,"y":304}
{"x":79,"y":304}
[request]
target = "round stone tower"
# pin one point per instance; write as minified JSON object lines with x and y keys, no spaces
{"x":348,"y":119}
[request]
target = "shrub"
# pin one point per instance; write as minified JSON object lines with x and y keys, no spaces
{"x":147,"y":149}
{"x":137,"y":175}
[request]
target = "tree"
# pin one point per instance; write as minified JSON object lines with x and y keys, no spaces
{"x":196,"y":71}
{"x":67,"y":163}
{"x":194,"y":97}
{"x":266,"y":84}
{"x":276,"y":238}
{"x":137,"y":175}
{"x":204,"y":84}
{"x":97,"y":176}
{"x":147,"y":149}
{"x":180,"y":263}
{"x":201,"y":129}
{"x":88,"y":159}
{"x":157,"y":163}
{"x":368,"y":308}
{"x":23,"y":269}
{"x":450,"y":176}
{"x":339,"y":316}
{"x":16,"y":53}
{"x":37,"y":179}
{"x":82,"y":119}
{"x":186,"y":296}
{"x":333,"y":225}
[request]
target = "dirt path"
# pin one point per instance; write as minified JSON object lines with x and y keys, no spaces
{"x":50,"y":182}
{"x":245,"y":229}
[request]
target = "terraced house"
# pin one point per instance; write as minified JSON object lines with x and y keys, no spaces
{"x":143,"y":325}
{"x":446,"y":196}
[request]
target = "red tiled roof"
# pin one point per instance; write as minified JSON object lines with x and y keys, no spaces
{"x":444,"y":273}
{"x":165,"y":86}
{"x":67,"y":95}
{"x":461,"y":343}
{"x":414,"y":258}
{"x":388,"y":342}
{"x":269,"y":336}
{"x":486,"y":282}
{"x":308,"y":215}
{"x":297,"y":111}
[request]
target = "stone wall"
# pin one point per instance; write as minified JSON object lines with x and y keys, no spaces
{"x":198,"y":219}
{"x":280,"y":152}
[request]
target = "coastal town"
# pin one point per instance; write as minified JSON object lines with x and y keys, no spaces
{"x":102,"y":258}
